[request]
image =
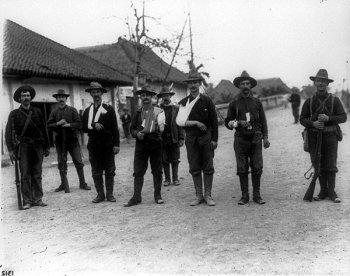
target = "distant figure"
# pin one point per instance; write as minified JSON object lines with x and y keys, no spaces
{"x":285,"y":101}
{"x":326,"y":112}
{"x":294,"y":99}
{"x":246,"y":115}
{"x":126,"y":121}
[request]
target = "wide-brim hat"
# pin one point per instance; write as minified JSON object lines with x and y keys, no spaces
{"x":146,"y":89}
{"x":165,"y":91}
{"x":61,"y":92}
{"x":95,"y":86}
{"x":24,"y":88}
{"x":194,"y":76}
{"x":321,"y":74}
{"x":244,"y":76}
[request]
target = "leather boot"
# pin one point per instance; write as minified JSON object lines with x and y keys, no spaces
{"x":98,"y":180}
{"x":256,"y":189}
{"x":175,"y":169}
{"x":82,"y":183}
{"x":64,"y":182}
{"x":208,"y":184}
{"x":109,"y":180}
{"x":136,"y":198}
{"x":59,"y":188}
{"x":331,"y":187}
{"x":243,"y":179}
{"x":323,"y":184}
{"x":197,"y":181}
{"x":166,"y":169}
{"x":157,"y":183}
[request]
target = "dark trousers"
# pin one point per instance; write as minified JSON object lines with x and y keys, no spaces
{"x":248,"y":151}
{"x":31,"y":160}
{"x":170,"y":153}
{"x":126,"y":129}
{"x":101,"y":158}
{"x":74,"y":150}
{"x":144,"y":150}
{"x":199,"y":154}
{"x":295,"y":110}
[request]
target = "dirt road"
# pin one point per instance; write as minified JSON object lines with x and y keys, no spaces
{"x":72,"y":236}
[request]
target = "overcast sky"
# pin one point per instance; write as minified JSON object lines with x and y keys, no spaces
{"x":290,"y":39}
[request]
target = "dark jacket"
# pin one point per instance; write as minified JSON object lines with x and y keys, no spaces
{"x":204,"y":112}
{"x":237,"y":110}
{"x":177,"y":133}
{"x":295,"y":100}
{"x":125,"y":120}
{"x":36,"y":130}
{"x":110,"y":133}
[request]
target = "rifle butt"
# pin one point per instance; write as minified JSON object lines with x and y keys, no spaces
{"x":310,"y":191}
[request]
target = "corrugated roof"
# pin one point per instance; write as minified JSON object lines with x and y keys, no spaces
{"x":31,"y":54}
{"x":121,"y":56}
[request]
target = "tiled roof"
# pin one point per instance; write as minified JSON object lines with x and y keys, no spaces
{"x":30,"y":54}
{"x":120,"y":56}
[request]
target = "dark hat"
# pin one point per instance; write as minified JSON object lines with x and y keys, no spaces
{"x":194,"y":75}
{"x":95,"y":86}
{"x":321,"y":74}
{"x":165,"y":91}
{"x":125,"y":109}
{"x":61,"y":92}
{"x":146,"y":89}
{"x":244,"y":76}
{"x":24,"y":88}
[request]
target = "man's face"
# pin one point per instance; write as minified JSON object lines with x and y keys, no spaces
{"x":25,"y":98}
{"x":61,"y":100}
{"x":245,"y":86}
{"x":321,"y":85}
{"x":96,"y":94}
{"x":194,"y":85}
{"x":166,"y":99}
{"x":146,"y":98}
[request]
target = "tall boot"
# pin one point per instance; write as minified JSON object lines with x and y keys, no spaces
{"x":157,"y":183}
{"x":98,"y":180}
{"x":109,"y":180}
{"x":166,"y":169}
{"x":82,"y":183}
{"x":208,"y":184}
{"x":175,"y":169}
{"x":197,"y":181}
{"x":323,"y":184}
{"x":243,"y":179}
{"x":331,"y":187}
{"x":136,"y":198}
{"x":256,"y":189}
{"x":64,"y":182}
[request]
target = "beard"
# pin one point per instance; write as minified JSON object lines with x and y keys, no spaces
{"x":166,"y":101}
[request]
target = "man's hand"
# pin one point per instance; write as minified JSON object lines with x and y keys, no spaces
{"x":266,"y":143}
{"x":140,"y":135}
{"x":181,"y":143}
{"x":116,"y":150}
{"x":323,"y":118}
{"x":66,"y":125}
{"x":318,"y":125}
{"x":47,"y":152}
{"x":213,"y":145}
{"x":201,"y":126}
{"x":244,"y":124}
{"x":12,"y":156}
{"x":232,"y":124}
{"x":98,"y":126}
{"x":61,"y":122}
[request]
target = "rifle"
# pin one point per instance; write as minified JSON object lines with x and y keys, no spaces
{"x":63,"y":170}
{"x":317,"y":162}
{"x":17,"y":152}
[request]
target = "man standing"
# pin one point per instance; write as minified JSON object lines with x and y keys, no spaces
{"x":172,"y":137}
{"x":126,"y":120}
{"x":26,"y":125}
{"x":201,"y":127}
{"x":295,"y":102}
{"x":100,"y":122}
{"x":66,"y":124}
{"x":323,"y":112}
{"x":146,"y":126}
{"x":247,"y":116}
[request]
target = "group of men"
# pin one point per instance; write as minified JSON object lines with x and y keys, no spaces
{"x":160,"y":131}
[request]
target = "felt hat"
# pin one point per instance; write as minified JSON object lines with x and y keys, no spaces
{"x":61,"y":92}
{"x":194,"y":76}
{"x":146,"y":89}
{"x":95,"y":86}
{"x":24,"y":88}
{"x":321,"y":74}
{"x":244,"y":76}
{"x":165,"y":91}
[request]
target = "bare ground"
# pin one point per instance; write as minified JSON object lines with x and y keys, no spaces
{"x":72,"y":236}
